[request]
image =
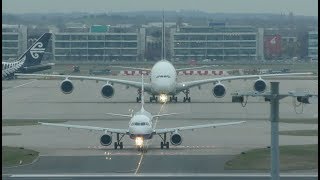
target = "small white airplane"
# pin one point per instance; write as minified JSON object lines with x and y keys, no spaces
{"x":163,"y":82}
{"x":141,"y":129}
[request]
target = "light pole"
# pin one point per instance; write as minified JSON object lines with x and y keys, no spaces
{"x":274,"y":98}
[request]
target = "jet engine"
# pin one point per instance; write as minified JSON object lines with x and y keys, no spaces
{"x":176,"y":139}
{"x":260,"y":85}
{"x":106,"y":140}
{"x":107,"y":91}
{"x":66,"y":86}
{"x":219,"y":90}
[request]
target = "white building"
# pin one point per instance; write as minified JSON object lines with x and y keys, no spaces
{"x":119,"y":44}
{"x":14,"y":41}
{"x":217,"y":42}
{"x":313,"y":44}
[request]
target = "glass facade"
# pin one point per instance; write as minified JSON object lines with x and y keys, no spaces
{"x":14,"y":41}
{"x":221,"y":43}
{"x":96,"y":46}
{"x":313,"y":44}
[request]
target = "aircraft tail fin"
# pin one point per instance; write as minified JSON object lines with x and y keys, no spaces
{"x":34,"y":54}
{"x":163,"y":50}
{"x":142,"y":92}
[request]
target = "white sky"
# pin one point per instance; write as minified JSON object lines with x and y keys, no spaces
{"x":298,"y":7}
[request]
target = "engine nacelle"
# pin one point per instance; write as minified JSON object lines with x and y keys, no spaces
{"x":176,"y":139}
{"x":107,"y":91}
{"x":105,"y":140}
{"x":66,"y":86}
{"x":260,"y":85}
{"x":219,"y":90}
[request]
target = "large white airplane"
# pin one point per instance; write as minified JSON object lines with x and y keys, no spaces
{"x":163,"y":81}
{"x":141,"y":128}
{"x":30,"y":61}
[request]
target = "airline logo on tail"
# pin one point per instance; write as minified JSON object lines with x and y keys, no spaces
{"x":36,"y":49}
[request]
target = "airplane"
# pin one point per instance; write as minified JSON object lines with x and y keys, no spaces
{"x":30,"y":61}
{"x":164,"y":82}
{"x":141,"y":128}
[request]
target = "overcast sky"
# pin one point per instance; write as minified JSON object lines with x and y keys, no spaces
{"x":298,"y":7}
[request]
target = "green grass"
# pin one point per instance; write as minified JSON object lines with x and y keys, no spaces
{"x":300,"y":133}
{"x":301,"y":121}
{"x":26,"y":122}
{"x":11,"y":156}
{"x":292,"y":157}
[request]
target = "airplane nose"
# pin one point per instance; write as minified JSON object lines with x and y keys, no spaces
{"x":162,"y":87}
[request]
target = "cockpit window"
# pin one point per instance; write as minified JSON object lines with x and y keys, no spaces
{"x":143,"y":124}
{"x":137,"y":124}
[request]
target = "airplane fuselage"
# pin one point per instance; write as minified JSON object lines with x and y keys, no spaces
{"x":163,"y":78}
{"x":140,"y":125}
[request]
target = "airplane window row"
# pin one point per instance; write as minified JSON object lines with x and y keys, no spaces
{"x":140,"y":124}
{"x":162,"y":76}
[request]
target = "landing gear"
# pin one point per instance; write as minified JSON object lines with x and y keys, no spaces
{"x":187,"y":98}
{"x":154,"y":98}
{"x":164,"y":143}
{"x":119,"y":143}
{"x":139,"y":96}
{"x":142,"y":149}
{"x":173,"y":98}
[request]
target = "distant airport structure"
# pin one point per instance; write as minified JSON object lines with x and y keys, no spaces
{"x":184,"y":42}
{"x":14,"y":41}
{"x":313,"y":45}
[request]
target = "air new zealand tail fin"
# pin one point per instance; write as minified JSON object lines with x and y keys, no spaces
{"x":34,"y":54}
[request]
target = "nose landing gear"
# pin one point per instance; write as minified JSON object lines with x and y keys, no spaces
{"x":154,"y":98}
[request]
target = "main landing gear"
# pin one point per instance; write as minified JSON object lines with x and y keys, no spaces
{"x":173,"y":98}
{"x":153,"y":98}
{"x":187,"y":98}
{"x":164,"y":142}
{"x":119,"y":143}
{"x":139,"y":95}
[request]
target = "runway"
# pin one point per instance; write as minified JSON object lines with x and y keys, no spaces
{"x":161,"y":176}
{"x":202,"y":151}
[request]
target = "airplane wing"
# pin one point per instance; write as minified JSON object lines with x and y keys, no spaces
{"x":171,"y":130}
{"x":120,"y":131}
{"x":186,"y":85}
{"x":160,"y":115}
{"x":135,"y":84}
{"x":133,"y":68}
{"x":122,"y":115}
{"x":197,"y":67}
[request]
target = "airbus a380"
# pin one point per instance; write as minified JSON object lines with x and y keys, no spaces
{"x":163,"y":82}
{"x":141,"y":128}
{"x":30,"y":61}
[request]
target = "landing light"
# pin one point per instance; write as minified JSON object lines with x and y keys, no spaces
{"x":139,"y":141}
{"x":163,"y":98}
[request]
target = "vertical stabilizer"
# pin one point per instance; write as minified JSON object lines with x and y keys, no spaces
{"x":34,"y":54}
{"x":142,"y":92}
{"x":163,"y":51}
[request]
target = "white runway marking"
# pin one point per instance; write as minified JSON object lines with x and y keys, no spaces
{"x":19,"y":85}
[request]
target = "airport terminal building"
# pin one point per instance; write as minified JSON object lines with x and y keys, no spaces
{"x":14,"y":41}
{"x":313,"y":44}
{"x":217,"y":42}
{"x":101,"y":43}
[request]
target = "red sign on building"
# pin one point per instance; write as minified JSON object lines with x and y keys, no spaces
{"x":272,"y":46}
